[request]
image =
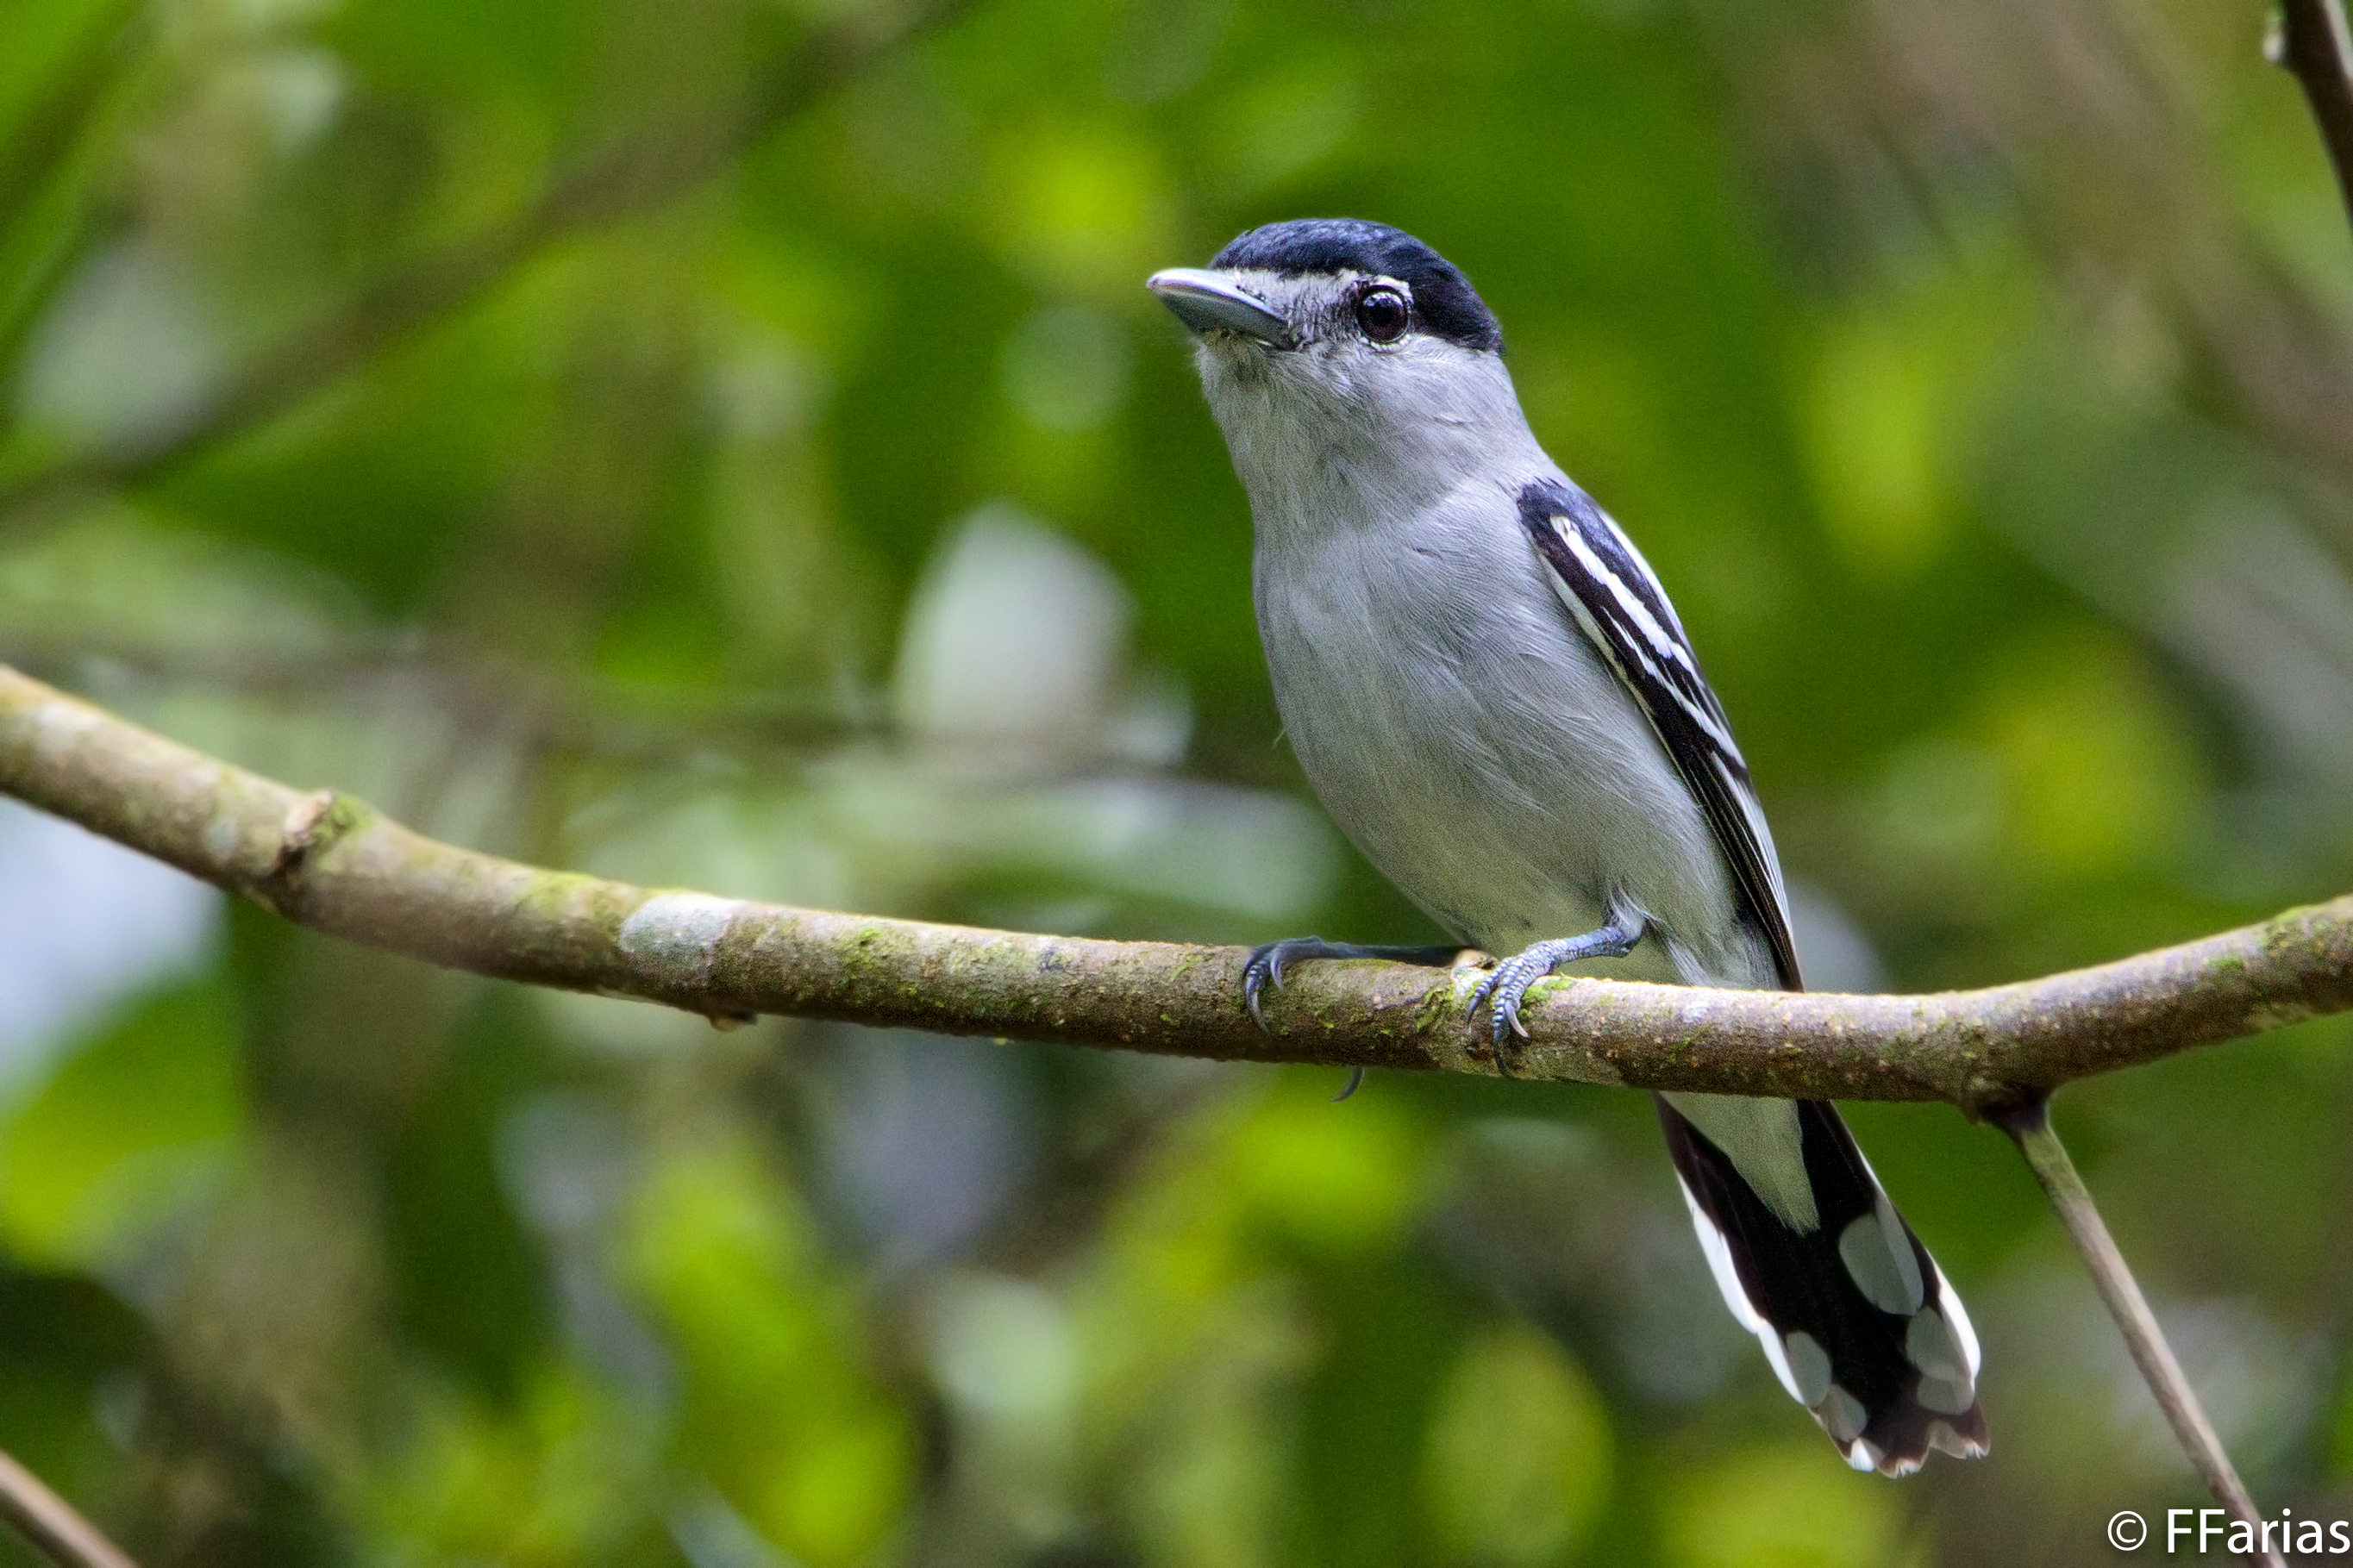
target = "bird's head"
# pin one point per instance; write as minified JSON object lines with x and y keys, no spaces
{"x":1336,"y":339}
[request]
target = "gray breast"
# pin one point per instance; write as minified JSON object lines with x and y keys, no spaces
{"x":1474,"y":744}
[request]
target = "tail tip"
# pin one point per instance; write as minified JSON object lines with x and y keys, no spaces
{"x":1898,"y":1440}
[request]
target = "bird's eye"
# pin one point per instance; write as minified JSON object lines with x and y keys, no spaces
{"x":1383,"y":314}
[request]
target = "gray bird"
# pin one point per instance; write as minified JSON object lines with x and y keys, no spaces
{"x":1491,"y":693}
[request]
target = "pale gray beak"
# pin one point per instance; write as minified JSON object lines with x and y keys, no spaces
{"x":1211,"y":301}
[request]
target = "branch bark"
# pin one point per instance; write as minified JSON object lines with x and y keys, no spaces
{"x":600,"y":189}
{"x":49,"y":1524}
{"x":328,"y":861}
{"x":2030,"y":1128}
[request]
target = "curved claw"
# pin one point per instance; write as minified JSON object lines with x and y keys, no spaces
{"x":1480,"y":993}
{"x":1505,"y":989}
{"x":1508,"y":998}
{"x":1508,"y":985}
{"x":1264,"y":967}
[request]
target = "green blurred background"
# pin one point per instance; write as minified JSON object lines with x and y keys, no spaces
{"x":848,"y":530}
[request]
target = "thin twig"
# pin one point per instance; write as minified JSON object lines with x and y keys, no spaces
{"x":49,"y":1524}
{"x":2314,"y":42}
{"x":597,"y":191}
{"x":2030,"y":1126}
{"x":330,"y":862}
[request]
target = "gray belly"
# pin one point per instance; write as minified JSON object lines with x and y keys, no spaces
{"x":1479,"y":752}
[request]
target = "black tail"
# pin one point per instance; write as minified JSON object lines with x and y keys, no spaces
{"x":1852,"y":1312}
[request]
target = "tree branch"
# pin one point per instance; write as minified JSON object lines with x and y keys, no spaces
{"x":2312,"y":42}
{"x":2029,"y":1126}
{"x":327,"y":861}
{"x":49,"y":1524}
{"x":599,"y":190}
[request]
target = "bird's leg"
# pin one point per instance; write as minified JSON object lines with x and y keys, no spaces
{"x":1507,"y":988}
{"x":1266,"y":963}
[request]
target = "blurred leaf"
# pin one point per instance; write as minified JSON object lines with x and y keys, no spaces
{"x":128,"y":1137}
{"x":1519,"y":1458}
{"x":1340,"y":1179}
{"x":554,"y":1480}
{"x":850,"y":531}
{"x":779,"y":1411}
{"x":448,"y":1223}
{"x":1782,"y":1508}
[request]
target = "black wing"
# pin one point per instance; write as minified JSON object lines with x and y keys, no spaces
{"x":1610,"y":589}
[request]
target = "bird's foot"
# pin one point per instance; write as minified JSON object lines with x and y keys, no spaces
{"x":1266,"y":963}
{"x":1503,"y":992}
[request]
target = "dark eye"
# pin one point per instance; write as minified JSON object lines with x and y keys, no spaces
{"x":1383,"y":315}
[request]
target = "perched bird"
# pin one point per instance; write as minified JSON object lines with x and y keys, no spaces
{"x":1491,"y":693}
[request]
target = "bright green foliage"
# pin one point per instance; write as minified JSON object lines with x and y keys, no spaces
{"x":1778,"y":1509}
{"x":1519,"y":1453}
{"x":776,"y":1408}
{"x":126,"y":1137}
{"x":847,"y":529}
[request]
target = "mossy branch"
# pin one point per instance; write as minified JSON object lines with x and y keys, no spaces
{"x":48,"y":1524}
{"x":328,"y":861}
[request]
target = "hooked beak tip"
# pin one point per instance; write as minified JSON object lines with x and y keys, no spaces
{"x":1211,"y":301}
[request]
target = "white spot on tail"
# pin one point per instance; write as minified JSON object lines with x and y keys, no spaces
{"x":1718,"y":1253}
{"x":1843,"y":1417}
{"x":1948,"y":1302}
{"x":1938,"y":1293}
{"x":1942,"y":1437}
{"x":1879,"y":1260}
{"x":1811,"y":1366}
